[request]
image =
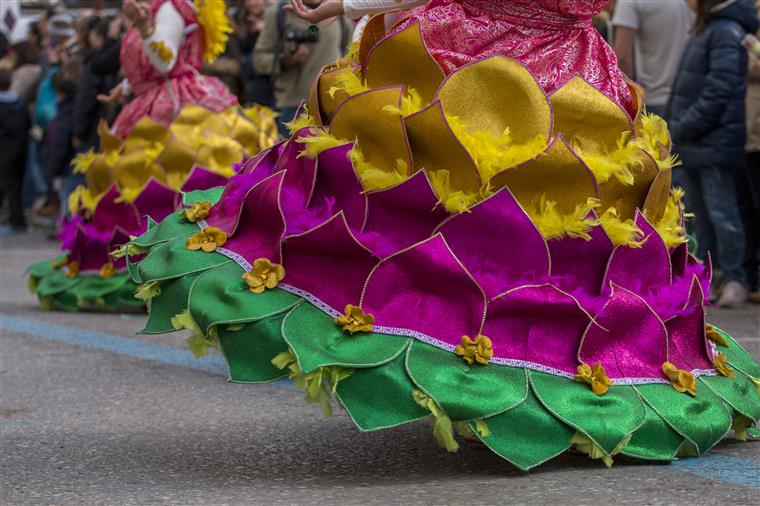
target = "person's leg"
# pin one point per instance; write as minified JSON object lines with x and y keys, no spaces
{"x":719,"y":191}
{"x":751,"y":215}
{"x":699,"y":226}
{"x":17,"y":171}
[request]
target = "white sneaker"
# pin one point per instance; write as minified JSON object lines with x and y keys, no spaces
{"x":733,"y":293}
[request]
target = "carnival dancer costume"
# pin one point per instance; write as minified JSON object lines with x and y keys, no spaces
{"x":473,"y":222}
{"x":182,"y":131}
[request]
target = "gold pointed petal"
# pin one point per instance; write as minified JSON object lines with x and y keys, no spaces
{"x":584,"y":115}
{"x":246,"y":134}
{"x":320,"y":100}
{"x":404,"y":59}
{"x":657,"y":198}
{"x":146,"y":132}
{"x":374,"y":30}
{"x":133,"y":170}
{"x":435,"y":147}
{"x":98,"y":176}
{"x":383,"y":139}
{"x":219,"y":153}
{"x":627,"y":198}
{"x":498,"y":93}
{"x":108,"y":142}
{"x":177,"y":159}
{"x":558,"y":173}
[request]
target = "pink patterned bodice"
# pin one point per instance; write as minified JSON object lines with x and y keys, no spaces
{"x":160,"y":97}
{"x":554,"y":39}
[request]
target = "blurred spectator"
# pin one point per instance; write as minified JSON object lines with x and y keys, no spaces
{"x":257,"y":87}
{"x":226,"y":67}
{"x":26,"y":73}
{"x":707,"y":122}
{"x":649,"y":40}
{"x":57,"y":149}
{"x":293,"y":54}
{"x":14,"y":125}
{"x":748,"y":184}
{"x":88,"y":111}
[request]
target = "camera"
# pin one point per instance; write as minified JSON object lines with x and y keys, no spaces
{"x":293,"y":37}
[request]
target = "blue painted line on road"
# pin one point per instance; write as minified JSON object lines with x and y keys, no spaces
{"x":725,"y":468}
{"x":114,"y":344}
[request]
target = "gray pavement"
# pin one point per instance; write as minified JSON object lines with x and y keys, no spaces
{"x":80,"y":425}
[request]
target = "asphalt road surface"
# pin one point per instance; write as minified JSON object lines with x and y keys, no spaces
{"x":91,"y":413}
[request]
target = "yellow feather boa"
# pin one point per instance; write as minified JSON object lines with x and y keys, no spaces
{"x":212,"y":16}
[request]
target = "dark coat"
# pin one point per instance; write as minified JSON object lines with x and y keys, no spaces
{"x":87,"y":110}
{"x":706,"y":110}
{"x":14,"y":128}
{"x":57,"y":151}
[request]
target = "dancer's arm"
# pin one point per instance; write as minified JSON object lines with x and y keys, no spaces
{"x":351,"y":8}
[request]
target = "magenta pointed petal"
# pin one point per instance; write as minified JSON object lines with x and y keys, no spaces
{"x":426,"y":289}
{"x":678,"y":259}
{"x":338,"y":188}
{"x":68,"y":231}
{"x":297,"y":188}
{"x":520,"y":329}
{"x":202,"y":179}
{"x":402,"y":215}
{"x":498,"y":244}
{"x":643,"y":270}
{"x":90,"y":248}
{"x":578,"y":265}
{"x":329,"y":263}
{"x":226,"y":212}
{"x":629,"y":339}
{"x":109,"y":214}
{"x":688,"y":348}
{"x":260,"y":227}
{"x":155,"y":200}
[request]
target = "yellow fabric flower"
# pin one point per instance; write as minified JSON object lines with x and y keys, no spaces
{"x":721,"y":365}
{"x":198,"y":211}
{"x":72,"y":269}
{"x":356,"y":320}
{"x":683,"y":381}
{"x":162,"y":51}
{"x":60,"y":263}
{"x":265,"y":275}
{"x":478,"y":350}
{"x":107,"y":271}
{"x":715,"y":336}
{"x":594,"y":376}
{"x":207,"y":240}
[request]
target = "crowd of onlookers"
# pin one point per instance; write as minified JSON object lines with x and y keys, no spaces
{"x":54,"y":86}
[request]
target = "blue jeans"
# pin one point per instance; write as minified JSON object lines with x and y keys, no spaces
{"x":717,"y":224}
{"x":34,"y":179}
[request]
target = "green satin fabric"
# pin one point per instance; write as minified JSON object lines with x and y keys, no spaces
{"x":380,"y":397}
{"x":94,"y":287}
{"x":44,"y":268}
{"x":527,"y":435}
{"x":172,"y":259}
{"x":170,"y":302}
{"x":607,"y":419}
{"x":739,"y":393}
{"x":249,"y":351}
{"x":703,"y":419}
{"x":174,"y":225}
{"x":654,"y":440}
{"x":220,"y":296}
{"x":56,"y":283}
{"x":738,"y":357}
{"x":318,"y":341}
{"x":213,"y":195}
{"x":465,"y":392}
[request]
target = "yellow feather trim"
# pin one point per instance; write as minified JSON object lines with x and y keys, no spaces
{"x":82,"y":162}
{"x":317,"y":143}
{"x":669,"y":227}
{"x":554,"y":225}
{"x":352,"y":56}
{"x":616,"y":163}
{"x":301,"y":122}
{"x":621,"y":232}
{"x":374,"y":178}
{"x":455,"y":201}
{"x":346,"y":80}
{"x":212,"y":16}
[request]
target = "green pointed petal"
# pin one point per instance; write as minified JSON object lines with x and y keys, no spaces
{"x":213,"y":195}
{"x":171,"y":301}
{"x":739,"y":393}
{"x":249,"y":351}
{"x":703,"y":420}
{"x":56,"y":282}
{"x":318,"y":341}
{"x":93,"y":286}
{"x":44,"y":268}
{"x":654,"y":440}
{"x":172,"y":260}
{"x":133,"y":270}
{"x":221,"y":297}
{"x":171,"y":227}
{"x":737,"y":356}
{"x":465,"y":392}
{"x":607,"y":419}
{"x":527,"y":435}
{"x":380,"y":397}
{"x":124,"y":298}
